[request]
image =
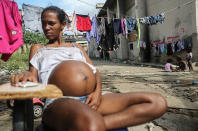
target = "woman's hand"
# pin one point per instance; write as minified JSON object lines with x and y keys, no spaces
{"x":22,"y":77}
{"x":94,"y":99}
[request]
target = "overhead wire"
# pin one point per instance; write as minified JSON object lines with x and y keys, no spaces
{"x":165,"y":12}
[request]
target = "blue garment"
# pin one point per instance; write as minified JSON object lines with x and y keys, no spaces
{"x":81,"y":99}
{"x":151,"y":20}
{"x":94,"y":31}
{"x":162,"y":48}
{"x":117,"y":26}
{"x":131,"y":24}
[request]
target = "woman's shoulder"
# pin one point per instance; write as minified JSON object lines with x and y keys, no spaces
{"x":78,"y":45}
{"x":34,"y":49}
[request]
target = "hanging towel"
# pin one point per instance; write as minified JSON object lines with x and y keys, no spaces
{"x":11,"y":28}
{"x":139,"y":33}
{"x":83,"y":22}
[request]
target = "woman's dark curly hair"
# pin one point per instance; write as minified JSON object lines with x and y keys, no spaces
{"x":62,"y":16}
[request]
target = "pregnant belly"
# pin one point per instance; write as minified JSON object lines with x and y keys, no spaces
{"x":74,"y":78}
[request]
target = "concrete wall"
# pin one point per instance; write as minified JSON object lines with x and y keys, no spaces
{"x":179,"y":21}
{"x":195,"y":36}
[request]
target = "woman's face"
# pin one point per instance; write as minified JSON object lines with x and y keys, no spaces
{"x":51,"y":25}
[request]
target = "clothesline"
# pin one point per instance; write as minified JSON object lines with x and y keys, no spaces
{"x":164,"y":12}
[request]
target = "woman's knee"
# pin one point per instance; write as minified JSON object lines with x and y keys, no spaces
{"x":159,"y":104}
{"x":67,"y":114}
{"x":89,"y":121}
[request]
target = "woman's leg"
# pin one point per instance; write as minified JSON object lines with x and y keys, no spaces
{"x":129,"y":109}
{"x":70,"y":115}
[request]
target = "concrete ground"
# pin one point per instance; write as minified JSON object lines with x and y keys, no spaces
{"x":177,"y":87}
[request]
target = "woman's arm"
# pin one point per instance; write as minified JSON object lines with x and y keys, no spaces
{"x":94,"y":98}
{"x":33,"y":50}
{"x":32,"y":74}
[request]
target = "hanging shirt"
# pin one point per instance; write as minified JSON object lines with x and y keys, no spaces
{"x":123,"y":27}
{"x":162,"y":48}
{"x":11,"y":34}
{"x":117,"y":26}
{"x":110,"y":36}
{"x":101,"y":28}
{"x":94,"y":31}
{"x":173,"y":47}
{"x":131,"y":24}
{"x":72,"y":26}
{"x":83,"y":22}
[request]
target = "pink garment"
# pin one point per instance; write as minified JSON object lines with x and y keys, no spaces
{"x":11,"y":34}
{"x":168,"y":67}
{"x":123,"y":27}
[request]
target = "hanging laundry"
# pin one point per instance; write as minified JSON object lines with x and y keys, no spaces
{"x":11,"y":28}
{"x":139,"y":33}
{"x":126,"y":29}
{"x":160,"y":18}
{"x":188,"y":43}
{"x":169,"y":49}
{"x":94,"y":31}
{"x":123,"y":27}
{"x":162,"y":48}
{"x":101,"y":27}
{"x":143,"y":44}
{"x":117,"y":26}
{"x":151,"y":20}
{"x":110,"y":36}
{"x":72,"y":25}
{"x":173,"y":47}
{"x":131,"y":24}
{"x":83,"y":22}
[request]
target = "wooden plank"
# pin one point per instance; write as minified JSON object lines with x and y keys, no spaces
{"x":10,"y":92}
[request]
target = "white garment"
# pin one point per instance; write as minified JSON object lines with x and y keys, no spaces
{"x":101,"y":28}
{"x":47,"y":58}
{"x":72,"y":26}
{"x":126,"y":29}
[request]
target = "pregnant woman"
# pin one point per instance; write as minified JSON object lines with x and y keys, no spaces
{"x":82,"y":108}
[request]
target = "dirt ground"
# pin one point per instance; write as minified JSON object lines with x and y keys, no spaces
{"x":176,"y":87}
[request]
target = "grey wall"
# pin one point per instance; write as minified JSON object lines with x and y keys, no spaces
{"x":178,"y":22}
{"x":32,"y":18}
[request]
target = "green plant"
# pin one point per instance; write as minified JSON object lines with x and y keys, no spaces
{"x":18,"y":61}
{"x":33,"y":38}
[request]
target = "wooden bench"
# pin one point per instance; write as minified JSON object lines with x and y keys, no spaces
{"x":23,"y":105}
